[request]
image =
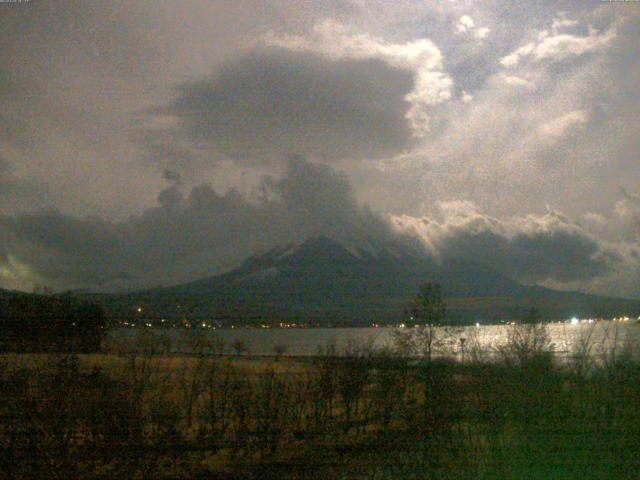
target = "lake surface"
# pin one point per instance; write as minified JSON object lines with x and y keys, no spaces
{"x":565,"y":338}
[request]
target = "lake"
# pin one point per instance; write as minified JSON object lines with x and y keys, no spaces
{"x":565,"y":338}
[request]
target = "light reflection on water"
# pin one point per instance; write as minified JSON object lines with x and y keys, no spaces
{"x":565,"y":338}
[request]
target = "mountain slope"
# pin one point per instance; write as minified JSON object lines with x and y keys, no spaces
{"x":325,"y":282}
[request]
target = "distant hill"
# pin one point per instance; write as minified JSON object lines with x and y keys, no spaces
{"x":322,"y":281}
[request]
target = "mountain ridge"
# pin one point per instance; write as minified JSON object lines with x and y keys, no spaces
{"x":325,"y":282}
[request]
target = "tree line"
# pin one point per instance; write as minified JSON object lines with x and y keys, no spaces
{"x":50,"y":323}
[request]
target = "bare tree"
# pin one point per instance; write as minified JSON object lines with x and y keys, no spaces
{"x":426,"y":314}
{"x":527,"y":343}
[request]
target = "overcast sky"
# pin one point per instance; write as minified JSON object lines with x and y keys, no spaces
{"x":146,"y":143}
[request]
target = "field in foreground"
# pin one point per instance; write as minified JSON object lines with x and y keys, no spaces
{"x":363,"y":415}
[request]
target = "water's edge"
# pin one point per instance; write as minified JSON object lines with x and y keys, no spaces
{"x":565,"y":339}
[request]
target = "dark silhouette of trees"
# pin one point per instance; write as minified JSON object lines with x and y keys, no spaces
{"x":427,"y":312}
{"x":428,"y":308}
{"x":59,"y":323}
{"x":532,"y":316}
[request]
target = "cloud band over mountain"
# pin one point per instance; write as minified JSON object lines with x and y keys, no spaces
{"x":190,"y":236}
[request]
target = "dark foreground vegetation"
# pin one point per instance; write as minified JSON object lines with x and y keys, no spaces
{"x":364,"y":414}
{"x":50,"y":323}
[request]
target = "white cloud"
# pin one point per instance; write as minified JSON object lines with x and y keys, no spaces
{"x":594,"y":219}
{"x":557,"y":46}
{"x":481,"y":32}
{"x":561,"y":23}
{"x":466,"y":24}
{"x":515,"y":81}
{"x":560,"y":126}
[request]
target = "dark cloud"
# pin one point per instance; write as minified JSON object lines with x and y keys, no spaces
{"x":182,"y":238}
{"x":316,"y":194}
{"x":533,"y":248}
{"x":172,"y":176}
{"x":561,"y":253}
{"x":188,"y":236}
{"x":185,"y":237}
{"x":270,"y":103}
{"x":321,"y":201}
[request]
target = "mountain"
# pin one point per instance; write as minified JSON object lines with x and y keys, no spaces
{"x":322,"y":281}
